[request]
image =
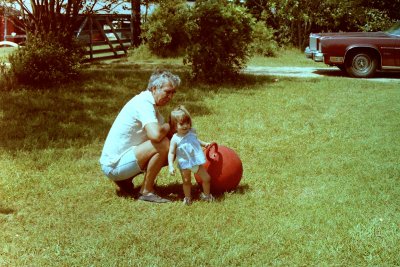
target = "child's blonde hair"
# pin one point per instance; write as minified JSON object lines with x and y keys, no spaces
{"x":179,"y":115}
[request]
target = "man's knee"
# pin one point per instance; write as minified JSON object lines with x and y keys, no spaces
{"x":163,"y":146}
{"x":144,"y":152}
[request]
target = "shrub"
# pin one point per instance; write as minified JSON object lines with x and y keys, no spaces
{"x":164,"y":31}
{"x":142,"y":52}
{"x":220,"y":34}
{"x":3,"y":68}
{"x":375,"y":20}
{"x":263,"y":40}
{"x":45,"y":60}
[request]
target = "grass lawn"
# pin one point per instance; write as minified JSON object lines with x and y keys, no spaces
{"x":321,"y":183}
{"x":285,"y":57}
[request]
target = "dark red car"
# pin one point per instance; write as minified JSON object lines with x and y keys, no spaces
{"x":360,"y":54}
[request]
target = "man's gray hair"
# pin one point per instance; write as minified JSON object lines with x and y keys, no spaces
{"x":161,"y":77}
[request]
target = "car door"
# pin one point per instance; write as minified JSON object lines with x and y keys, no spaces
{"x":389,"y":51}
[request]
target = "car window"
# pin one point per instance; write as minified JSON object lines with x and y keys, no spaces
{"x":395,"y":29}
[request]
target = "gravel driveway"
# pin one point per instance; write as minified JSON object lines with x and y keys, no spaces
{"x":311,"y":72}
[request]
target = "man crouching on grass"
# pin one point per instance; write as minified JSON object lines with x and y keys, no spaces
{"x":137,"y":141}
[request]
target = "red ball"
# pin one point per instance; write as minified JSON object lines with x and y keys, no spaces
{"x":224,"y":166}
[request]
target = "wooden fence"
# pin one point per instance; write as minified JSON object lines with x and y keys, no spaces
{"x":106,"y":36}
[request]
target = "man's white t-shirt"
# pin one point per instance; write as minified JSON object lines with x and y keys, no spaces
{"x":128,"y":130}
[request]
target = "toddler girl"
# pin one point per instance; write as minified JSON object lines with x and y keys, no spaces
{"x":190,"y":157}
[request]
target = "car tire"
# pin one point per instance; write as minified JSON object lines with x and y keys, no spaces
{"x":361,"y":64}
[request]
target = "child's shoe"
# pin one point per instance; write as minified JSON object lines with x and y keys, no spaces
{"x":187,"y":201}
{"x":208,"y":198}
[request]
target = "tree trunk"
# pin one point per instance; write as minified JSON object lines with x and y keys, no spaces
{"x":135,"y":23}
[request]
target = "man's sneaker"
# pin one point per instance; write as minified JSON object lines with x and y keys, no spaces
{"x":187,"y":201}
{"x":151,"y":197}
{"x":208,"y":198}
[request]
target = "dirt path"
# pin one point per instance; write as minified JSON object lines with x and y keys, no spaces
{"x":296,"y":72}
{"x":311,"y":72}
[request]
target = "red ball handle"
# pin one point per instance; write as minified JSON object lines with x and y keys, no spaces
{"x":212,"y":155}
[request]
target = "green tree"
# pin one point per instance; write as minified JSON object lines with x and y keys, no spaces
{"x":263,"y":40}
{"x":220,"y":34}
{"x":52,"y":53}
{"x":293,"y":20}
{"x":56,"y":17}
{"x":164,"y":30}
{"x":390,"y":8}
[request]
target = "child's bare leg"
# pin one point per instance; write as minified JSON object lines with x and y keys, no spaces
{"x":187,"y":182}
{"x":205,"y":178}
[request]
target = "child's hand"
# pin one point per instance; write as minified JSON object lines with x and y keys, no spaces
{"x":171,"y":171}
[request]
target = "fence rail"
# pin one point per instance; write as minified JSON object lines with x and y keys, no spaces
{"x":106,"y":36}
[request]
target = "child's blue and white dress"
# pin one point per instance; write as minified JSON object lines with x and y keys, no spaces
{"x":189,"y":153}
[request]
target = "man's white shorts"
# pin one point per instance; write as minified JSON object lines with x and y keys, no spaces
{"x":125,"y":168}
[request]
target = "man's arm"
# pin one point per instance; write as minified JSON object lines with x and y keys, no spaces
{"x":156,"y":132}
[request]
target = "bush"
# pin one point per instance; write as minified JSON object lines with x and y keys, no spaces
{"x":3,"y":68}
{"x":142,"y":52}
{"x":375,"y":20}
{"x":164,"y":31}
{"x":220,"y":34}
{"x":45,"y":61}
{"x":263,"y":40}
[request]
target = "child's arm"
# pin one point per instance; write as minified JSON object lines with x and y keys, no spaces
{"x":171,"y":156}
{"x":203,"y":144}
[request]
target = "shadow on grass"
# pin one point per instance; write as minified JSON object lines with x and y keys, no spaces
{"x":6,"y":211}
{"x":174,"y":191}
{"x":334,"y":72}
{"x":82,"y":112}
{"x":34,"y":120}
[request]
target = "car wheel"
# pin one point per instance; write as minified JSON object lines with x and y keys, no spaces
{"x":361,"y":64}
